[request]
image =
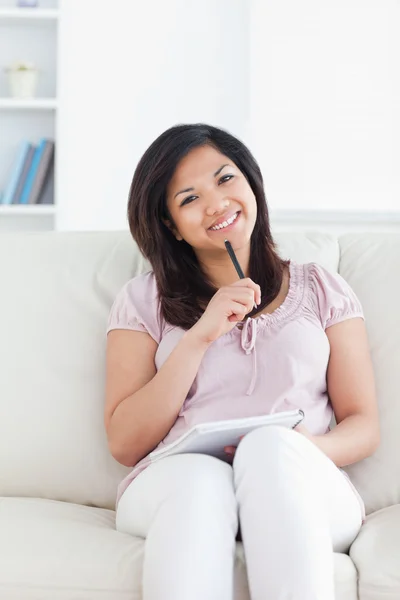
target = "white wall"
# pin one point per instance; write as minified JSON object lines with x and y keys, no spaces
{"x":325,"y":103}
{"x":313,"y":87}
{"x":128,"y":70}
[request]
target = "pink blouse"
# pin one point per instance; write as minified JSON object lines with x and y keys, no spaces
{"x":272,"y":363}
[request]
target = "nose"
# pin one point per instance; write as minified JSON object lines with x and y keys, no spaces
{"x":216,"y":204}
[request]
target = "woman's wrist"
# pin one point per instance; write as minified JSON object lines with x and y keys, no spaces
{"x":193,"y":340}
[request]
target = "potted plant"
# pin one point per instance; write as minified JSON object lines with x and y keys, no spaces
{"x":22,"y":77}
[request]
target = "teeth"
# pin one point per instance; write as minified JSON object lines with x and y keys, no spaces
{"x":225,"y":223}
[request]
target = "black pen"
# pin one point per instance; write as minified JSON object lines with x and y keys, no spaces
{"x":238,"y":268}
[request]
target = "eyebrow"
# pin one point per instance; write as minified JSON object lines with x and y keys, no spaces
{"x":191,"y":189}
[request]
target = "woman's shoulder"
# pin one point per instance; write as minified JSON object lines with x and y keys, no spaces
{"x":142,"y":286}
{"x":329,"y":294}
{"x":319,"y":277}
{"x":136,"y":306}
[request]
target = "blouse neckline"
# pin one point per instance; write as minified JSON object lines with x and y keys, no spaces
{"x":289,"y":306}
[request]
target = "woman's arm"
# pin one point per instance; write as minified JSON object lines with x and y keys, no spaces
{"x":351,"y":389}
{"x":142,"y":404}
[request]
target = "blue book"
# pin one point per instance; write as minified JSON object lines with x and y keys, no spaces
{"x":42,"y":172}
{"x":30,"y":178}
{"x":24,"y":173}
{"x":16,"y":173}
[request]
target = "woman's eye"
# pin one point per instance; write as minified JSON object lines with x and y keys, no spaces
{"x":225,"y":178}
{"x":188,"y":200}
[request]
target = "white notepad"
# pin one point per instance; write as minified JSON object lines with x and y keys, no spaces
{"x":212,"y":438}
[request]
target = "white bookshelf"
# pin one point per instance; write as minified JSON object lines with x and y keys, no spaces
{"x":28,"y":14}
{"x":29,"y":35}
{"x":29,"y":104}
{"x":29,"y":210}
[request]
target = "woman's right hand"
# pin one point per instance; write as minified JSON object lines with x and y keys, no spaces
{"x":229,"y":305}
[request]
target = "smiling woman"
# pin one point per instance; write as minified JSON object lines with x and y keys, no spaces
{"x":219,"y":198}
{"x":195,"y":186}
{"x":187,"y":346}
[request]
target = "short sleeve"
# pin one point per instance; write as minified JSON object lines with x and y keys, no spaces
{"x":136,"y":307}
{"x":333,"y":298}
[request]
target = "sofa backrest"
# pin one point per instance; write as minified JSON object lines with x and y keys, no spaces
{"x":371,"y":264}
{"x":56,"y":293}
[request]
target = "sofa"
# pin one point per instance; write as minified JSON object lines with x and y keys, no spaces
{"x":58,"y":480}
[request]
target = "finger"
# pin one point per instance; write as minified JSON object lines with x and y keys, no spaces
{"x":249,"y":283}
{"x":244,"y":296}
{"x":254,"y":289}
{"x":237,"y":312}
{"x":303,"y":430}
{"x":299,"y":428}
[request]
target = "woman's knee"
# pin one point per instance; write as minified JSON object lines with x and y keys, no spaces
{"x":265,"y":443}
{"x":198,"y":475}
{"x":188,"y":484}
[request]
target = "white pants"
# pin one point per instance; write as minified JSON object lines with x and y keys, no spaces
{"x":295,"y":508}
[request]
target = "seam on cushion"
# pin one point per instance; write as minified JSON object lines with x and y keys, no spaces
{"x":19,"y":586}
{"x":339,"y":264}
{"x":395,"y":591}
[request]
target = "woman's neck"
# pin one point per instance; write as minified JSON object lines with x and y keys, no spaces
{"x":220,"y":270}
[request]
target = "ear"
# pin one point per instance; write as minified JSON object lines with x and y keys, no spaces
{"x":173,"y":229}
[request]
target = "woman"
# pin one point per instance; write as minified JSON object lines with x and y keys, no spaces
{"x":186,"y":344}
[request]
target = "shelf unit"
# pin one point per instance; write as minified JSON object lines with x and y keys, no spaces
{"x":28,"y":34}
{"x":28,"y":210}
{"x":28,"y":104}
{"x":28,"y":14}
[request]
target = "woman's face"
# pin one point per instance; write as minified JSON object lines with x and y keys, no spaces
{"x":210,"y":200}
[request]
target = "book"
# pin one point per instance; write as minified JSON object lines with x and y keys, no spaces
{"x":24,"y":173}
{"x":30,"y":178}
{"x":42,"y":172}
{"x":212,"y":438}
{"x":15,"y":172}
{"x":47,"y":194}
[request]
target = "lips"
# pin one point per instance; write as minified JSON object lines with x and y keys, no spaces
{"x":225,"y":221}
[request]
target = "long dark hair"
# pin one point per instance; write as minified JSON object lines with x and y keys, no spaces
{"x":183,"y":288}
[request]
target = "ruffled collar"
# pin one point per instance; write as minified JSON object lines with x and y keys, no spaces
{"x":289,"y":307}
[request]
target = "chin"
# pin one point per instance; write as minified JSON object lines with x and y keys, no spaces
{"x":240,"y":241}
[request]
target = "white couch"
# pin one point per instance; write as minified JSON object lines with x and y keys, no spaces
{"x":57,"y":479}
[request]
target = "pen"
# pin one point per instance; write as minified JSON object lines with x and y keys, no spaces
{"x":238,"y":268}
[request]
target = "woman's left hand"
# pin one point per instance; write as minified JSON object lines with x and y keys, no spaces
{"x":304,"y":431}
{"x":317,"y":440}
{"x":230,"y":450}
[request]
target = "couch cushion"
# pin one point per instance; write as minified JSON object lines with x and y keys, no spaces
{"x":376,"y":555}
{"x":345,"y":577}
{"x":56,"y":293}
{"x":304,"y":247}
{"x":371,"y":264}
{"x":58,"y":551}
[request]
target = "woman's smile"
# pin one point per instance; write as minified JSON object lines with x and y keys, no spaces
{"x":225,"y":223}
{"x":209,"y":198}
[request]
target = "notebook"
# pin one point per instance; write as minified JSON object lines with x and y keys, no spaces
{"x":212,"y":438}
